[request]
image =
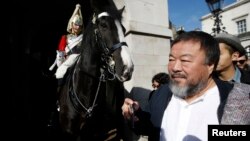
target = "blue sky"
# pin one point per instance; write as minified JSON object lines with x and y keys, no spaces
{"x":187,"y":13}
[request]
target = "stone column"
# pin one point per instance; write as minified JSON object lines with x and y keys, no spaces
{"x":148,"y":36}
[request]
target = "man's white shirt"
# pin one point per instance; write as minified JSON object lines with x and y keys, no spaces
{"x":184,"y":121}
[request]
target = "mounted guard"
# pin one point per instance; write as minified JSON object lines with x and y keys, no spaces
{"x":69,"y":45}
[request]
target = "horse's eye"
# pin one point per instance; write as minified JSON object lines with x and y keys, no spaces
{"x":103,"y":25}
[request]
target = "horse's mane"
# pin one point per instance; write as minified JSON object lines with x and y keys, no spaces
{"x":88,"y":43}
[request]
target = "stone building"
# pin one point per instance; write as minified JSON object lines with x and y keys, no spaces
{"x":148,"y":37}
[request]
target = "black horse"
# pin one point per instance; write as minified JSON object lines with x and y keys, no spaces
{"x":87,"y":100}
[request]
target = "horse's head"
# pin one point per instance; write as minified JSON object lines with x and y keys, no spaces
{"x":110,"y":33}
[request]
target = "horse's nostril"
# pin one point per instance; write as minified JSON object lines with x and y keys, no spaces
{"x":126,"y":74}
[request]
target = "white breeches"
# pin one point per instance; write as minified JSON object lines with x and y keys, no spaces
{"x":62,"y":69}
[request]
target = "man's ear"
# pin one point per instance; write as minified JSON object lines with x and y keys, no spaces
{"x":235,"y":56}
{"x":210,"y":68}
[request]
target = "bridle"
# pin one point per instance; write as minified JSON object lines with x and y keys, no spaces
{"x":108,"y":63}
{"x":107,"y":71}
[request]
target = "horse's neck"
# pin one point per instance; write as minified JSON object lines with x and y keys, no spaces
{"x":87,"y":70}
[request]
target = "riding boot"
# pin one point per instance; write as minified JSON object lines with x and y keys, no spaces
{"x":53,"y":122}
{"x":59,"y":84}
{"x":51,"y":119}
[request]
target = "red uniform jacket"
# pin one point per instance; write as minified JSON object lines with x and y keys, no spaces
{"x":63,"y":43}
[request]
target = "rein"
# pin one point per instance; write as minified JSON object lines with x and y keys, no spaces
{"x":74,"y":98}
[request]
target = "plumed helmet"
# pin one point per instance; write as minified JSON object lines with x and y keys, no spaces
{"x":76,"y":18}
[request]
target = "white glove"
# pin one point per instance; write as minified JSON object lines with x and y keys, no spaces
{"x":61,"y":71}
{"x":60,"y":58}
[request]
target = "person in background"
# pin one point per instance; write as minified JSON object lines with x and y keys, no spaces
{"x":194,"y":98}
{"x":242,"y":63}
{"x":158,"y":80}
{"x":230,"y":50}
{"x":69,"y":45}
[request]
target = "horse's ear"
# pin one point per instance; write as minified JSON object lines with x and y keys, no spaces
{"x":121,"y":10}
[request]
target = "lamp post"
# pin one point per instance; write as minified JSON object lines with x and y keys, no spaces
{"x":215,"y":8}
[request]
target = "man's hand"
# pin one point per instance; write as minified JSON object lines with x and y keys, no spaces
{"x":128,"y":108}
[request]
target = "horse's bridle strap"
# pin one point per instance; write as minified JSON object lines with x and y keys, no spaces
{"x":118,"y":45}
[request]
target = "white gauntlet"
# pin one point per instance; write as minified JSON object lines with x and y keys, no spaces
{"x":61,"y":71}
{"x":60,"y":57}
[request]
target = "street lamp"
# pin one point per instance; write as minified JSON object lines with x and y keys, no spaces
{"x":215,"y":8}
